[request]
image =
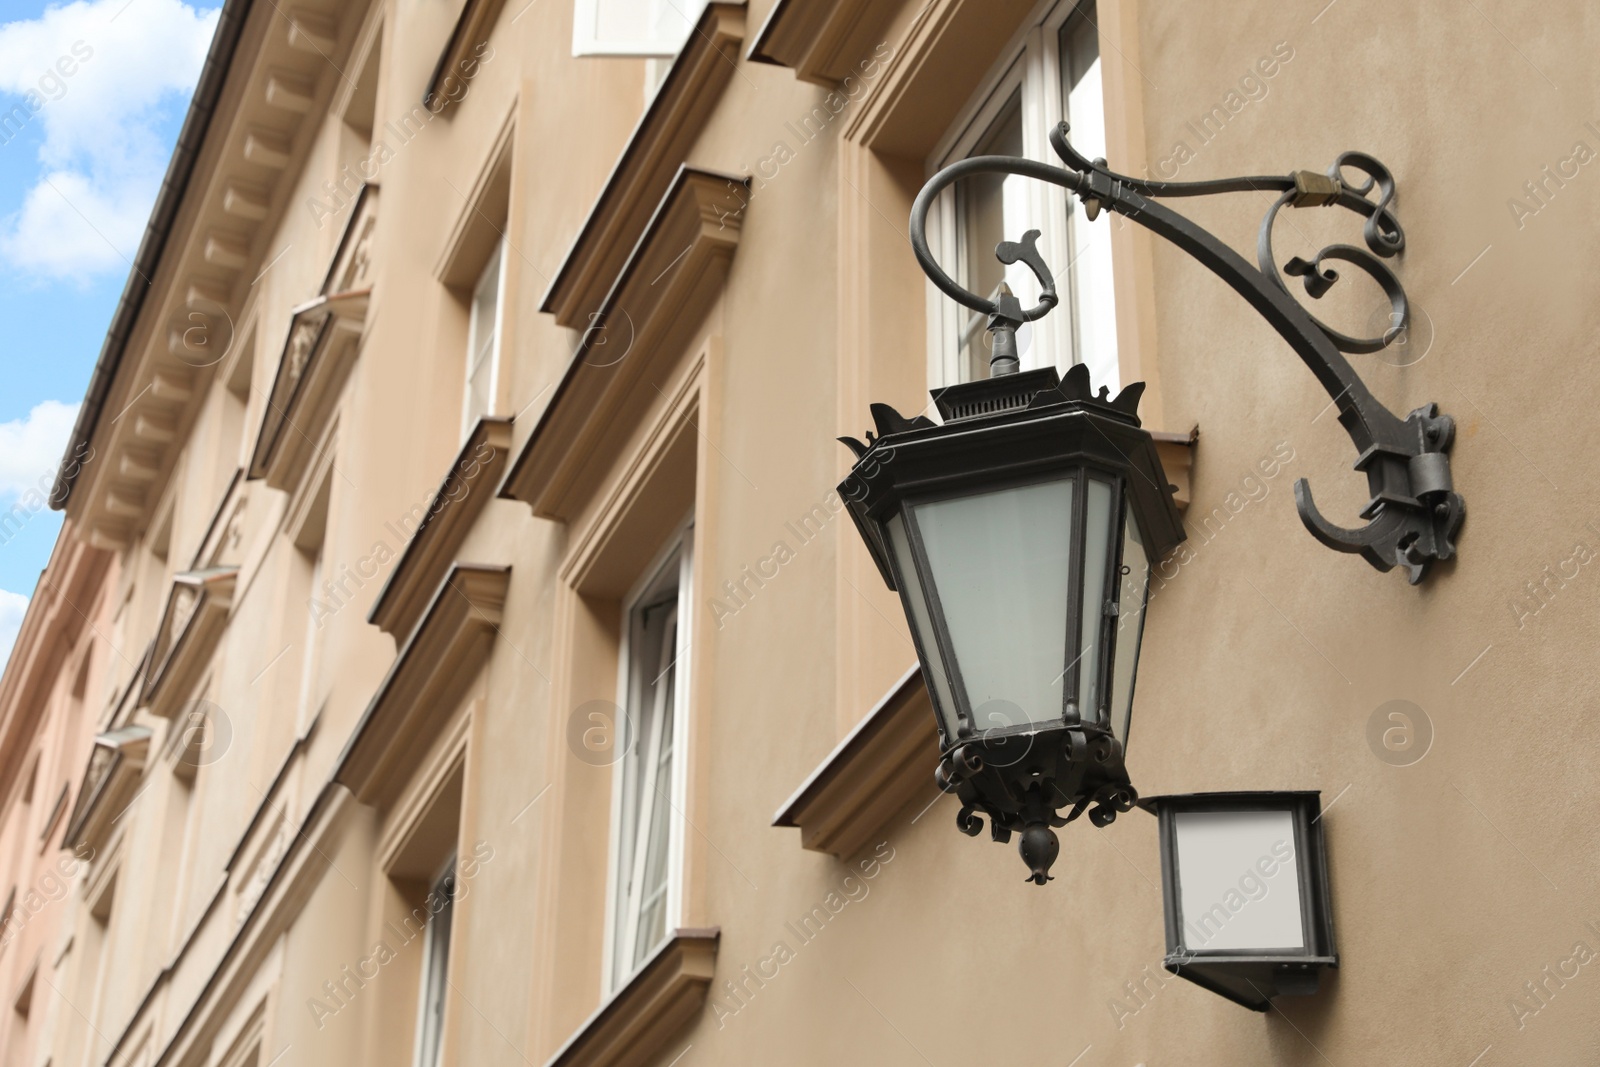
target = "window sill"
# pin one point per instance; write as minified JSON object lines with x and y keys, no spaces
{"x":885,"y":763}
{"x":629,"y":1029}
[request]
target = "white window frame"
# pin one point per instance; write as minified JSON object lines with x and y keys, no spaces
{"x":587,"y":41}
{"x":1031,"y":64}
{"x":497,"y":263}
{"x":621,"y":911}
{"x":430,"y":1025}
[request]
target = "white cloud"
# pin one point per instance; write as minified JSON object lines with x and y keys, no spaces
{"x":31,"y":448}
{"x":12,"y":607}
{"x":102,"y":156}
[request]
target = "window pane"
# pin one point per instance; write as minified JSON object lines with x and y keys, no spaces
{"x":652,"y":889}
{"x":1093,"y":297}
{"x":483,"y":342}
{"x":633,"y":27}
{"x":992,"y":208}
{"x":645,"y":829}
{"x":435,"y":980}
{"x":1000,"y":563}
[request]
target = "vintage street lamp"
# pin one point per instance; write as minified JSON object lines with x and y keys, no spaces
{"x":1020,"y":534}
{"x":1245,"y":879}
{"x":1020,"y":531}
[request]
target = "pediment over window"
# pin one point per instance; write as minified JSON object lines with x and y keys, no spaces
{"x":441,"y":526}
{"x":190,"y":627}
{"x":425,"y":684}
{"x":649,"y":165}
{"x":109,"y":783}
{"x":223,"y":543}
{"x":822,"y":41}
{"x":319,"y":351}
{"x":673,"y":277}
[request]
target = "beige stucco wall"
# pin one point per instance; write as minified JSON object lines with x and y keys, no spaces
{"x":1455,"y":879}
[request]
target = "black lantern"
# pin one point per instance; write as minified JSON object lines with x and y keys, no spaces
{"x":1020,"y":535}
{"x":1246,"y":887}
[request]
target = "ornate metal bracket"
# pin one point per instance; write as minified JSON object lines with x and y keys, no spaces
{"x":1414,"y":513}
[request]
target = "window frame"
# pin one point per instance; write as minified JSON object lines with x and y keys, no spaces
{"x":677,"y":554}
{"x":496,"y":262}
{"x":587,"y":42}
{"x":429,"y":1048}
{"x":1031,"y":64}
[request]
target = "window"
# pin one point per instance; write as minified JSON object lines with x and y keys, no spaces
{"x":483,"y":340}
{"x":1051,"y":74}
{"x":648,"y":838}
{"x":633,"y":27}
{"x":435,"y":967}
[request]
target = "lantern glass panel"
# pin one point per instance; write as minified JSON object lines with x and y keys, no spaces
{"x":1000,"y":565}
{"x":1099,"y":528}
{"x":1238,"y":880}
{"x":1135,"y":586}
{"x":916,"y":601}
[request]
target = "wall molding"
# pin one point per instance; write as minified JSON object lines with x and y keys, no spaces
{"x":649,"y":166}
{"x":672,"y":278}
{"x":416,"y":699}
{"x":468,"y":485}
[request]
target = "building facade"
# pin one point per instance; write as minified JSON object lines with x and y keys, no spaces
{"x":462,"y":588}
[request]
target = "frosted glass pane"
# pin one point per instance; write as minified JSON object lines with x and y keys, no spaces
{"x":1238,"y":880}
{"x":1000,"y":565}
{"x":916,"y":601}
{"x":1130,"y":625}
{"x":1096,"y":560}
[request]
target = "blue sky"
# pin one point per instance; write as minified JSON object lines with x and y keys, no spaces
{"x":92,"y":94}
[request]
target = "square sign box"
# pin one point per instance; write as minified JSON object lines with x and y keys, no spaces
{"x":1245,"y":882}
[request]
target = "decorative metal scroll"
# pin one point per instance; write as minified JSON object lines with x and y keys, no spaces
{"x":1414,"y":513}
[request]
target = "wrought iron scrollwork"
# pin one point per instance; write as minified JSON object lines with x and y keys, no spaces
{"x":1414,"y":514}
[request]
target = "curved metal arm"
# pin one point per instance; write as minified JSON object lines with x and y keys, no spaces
{"x":1414,"y":513}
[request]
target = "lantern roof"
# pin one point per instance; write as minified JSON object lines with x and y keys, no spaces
{"x":1010,"y":428}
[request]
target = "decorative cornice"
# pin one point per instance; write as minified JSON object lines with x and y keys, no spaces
{"x":630,"y":1028}
{"x":471,"y":30}
{"x":822,"y":41}
{"x":428,"y":676}
{"x":108,"y":784}
{"x":250,"y":128}
{"x":190,"y":627}
{"x":648,"y":166}
{"x":319,"y":351}
{"x":318,"y":354}
{"x":677,"y":268}
{"x":467,"y":487}
{"x":885,"y":763}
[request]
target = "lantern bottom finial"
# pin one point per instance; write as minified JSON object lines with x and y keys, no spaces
{"x":1039,"y":848}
